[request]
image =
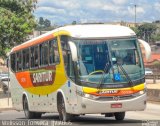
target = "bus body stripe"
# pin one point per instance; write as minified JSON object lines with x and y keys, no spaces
{"x":34,"y":42}
{"x":119,"y":91}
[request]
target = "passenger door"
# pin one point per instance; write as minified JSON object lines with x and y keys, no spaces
{"x":70,"y":72}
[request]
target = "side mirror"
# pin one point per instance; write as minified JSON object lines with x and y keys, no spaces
{"x":147,"y":48}
{"x":73,"y":51}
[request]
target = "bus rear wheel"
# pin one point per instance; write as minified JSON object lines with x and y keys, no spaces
{"x":29,"y":114}
{"x":119,"y":115}
{"x":63,"y":115}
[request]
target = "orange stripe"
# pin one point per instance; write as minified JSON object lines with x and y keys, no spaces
{"x":24,"y":79}
{"x":33,"y":42}
{"x":120,"y":93}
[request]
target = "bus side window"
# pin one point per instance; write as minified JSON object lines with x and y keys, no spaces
{"x":26,"y":59}
{"x":69,"y":66}
{"x":36,"y":63}
{"x":53,"y":52}
{"x":13,"y":62}
{"x":19,"y":61}
{"x":44,"y":54}
{"x":34,"y":56}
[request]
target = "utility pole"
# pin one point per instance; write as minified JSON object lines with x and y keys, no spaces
{"x":135,"y":14}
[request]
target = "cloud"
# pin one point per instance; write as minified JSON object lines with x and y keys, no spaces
{"x":67,"y":11}
{"x":70,"y":4}
{"x":157,"y":6}
{"x":120,"y":2}
{"x":139,"y":10}
{"x":50,"y":10}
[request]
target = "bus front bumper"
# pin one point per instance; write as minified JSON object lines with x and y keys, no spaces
{"x":89,"y":106}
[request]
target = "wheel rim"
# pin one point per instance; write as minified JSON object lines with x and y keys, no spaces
{"x":63,"y":111}
{"x":25,"y":108}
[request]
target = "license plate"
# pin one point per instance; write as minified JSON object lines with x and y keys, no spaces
{"x":117,"y":105}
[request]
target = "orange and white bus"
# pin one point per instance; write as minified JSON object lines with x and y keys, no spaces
{"x":79,"y":69}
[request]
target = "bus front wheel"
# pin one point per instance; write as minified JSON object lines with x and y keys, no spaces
{"x":63,"y":115}
{"x":119,"y":115}
{"x":29,"y":114}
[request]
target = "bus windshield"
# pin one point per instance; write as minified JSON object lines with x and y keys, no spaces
{"x":100,"y":59}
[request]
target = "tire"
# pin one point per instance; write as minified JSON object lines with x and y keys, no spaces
{"x":37,"y":115}
{"x":29,"y":114}
{"x":63,"y":115}
{"x":119,"y":116}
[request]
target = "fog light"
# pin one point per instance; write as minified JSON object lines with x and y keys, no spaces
{"x":83,"y":106}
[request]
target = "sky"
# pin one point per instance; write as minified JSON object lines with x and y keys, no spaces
{"x":61,"y":12}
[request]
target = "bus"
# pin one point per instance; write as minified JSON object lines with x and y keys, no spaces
{"x":79,"y":69}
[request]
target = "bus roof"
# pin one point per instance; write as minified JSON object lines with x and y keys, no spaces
{"x":82,"y":31}
{"x":98,"y":31}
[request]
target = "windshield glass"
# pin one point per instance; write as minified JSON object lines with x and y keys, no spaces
{"x":99,"y":61}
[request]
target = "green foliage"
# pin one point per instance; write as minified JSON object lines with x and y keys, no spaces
{"x":41,"y":21}
{"x":156,"y":64}
{"x":47,"y":23}
{"x":74,"y":23}
{"x":135,"y":29}
{"x":146,"y":31}
{"x":156,"y":37}
{"x":16,"y":22}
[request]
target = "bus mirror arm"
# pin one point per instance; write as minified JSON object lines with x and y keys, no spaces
{"x":73,"y":51}
{"x":146,"y":47}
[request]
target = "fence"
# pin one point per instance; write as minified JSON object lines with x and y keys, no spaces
{"x":153,"y":77}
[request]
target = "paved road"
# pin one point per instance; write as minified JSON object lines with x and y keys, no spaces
{"x":132,"y":118}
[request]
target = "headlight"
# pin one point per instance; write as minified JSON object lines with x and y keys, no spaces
{"x":140,"y":93}
{"x":89,"y":96}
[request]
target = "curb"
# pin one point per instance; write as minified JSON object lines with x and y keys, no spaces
{"x":6,"y":109}
{"x":153,"y":102}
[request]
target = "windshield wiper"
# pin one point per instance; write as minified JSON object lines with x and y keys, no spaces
{"x":122,"y":69}
{"x":125,"y":73}
{"x":102,"y":77}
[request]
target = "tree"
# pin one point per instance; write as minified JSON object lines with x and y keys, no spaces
{"x":74,"y":23}
{"x":43,"y":24}
{"x":47,"y":23}
{"x":16,"y":22}
{"x":146,"y":31}
{"x":156,"y":65}
{"x":41,"y":21}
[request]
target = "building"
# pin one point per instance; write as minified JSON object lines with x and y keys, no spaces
{"x":123,"y":23}
{"x":155,"y":59}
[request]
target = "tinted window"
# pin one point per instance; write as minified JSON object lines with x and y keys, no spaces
{"x":67,"y":57}
{"x":44,"y":54}
{"x":53,"y":52}
{"x":64,"y":44}
{"x":26,"y":59}
{"x":13,"y":62}
{"x":34,"y":56}
{"x":19,"y":61}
